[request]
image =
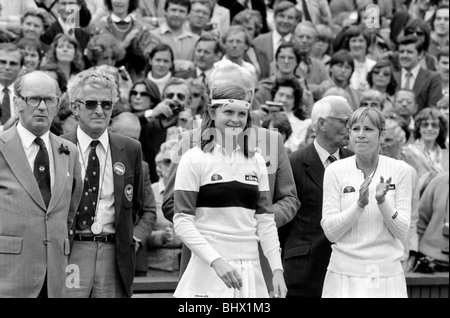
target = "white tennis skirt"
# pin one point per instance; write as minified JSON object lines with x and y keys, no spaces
{"x":343,"y":286}
{"x":200,"y":280}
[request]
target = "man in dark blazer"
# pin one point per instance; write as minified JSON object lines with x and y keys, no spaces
{"x":236,"y":6}
{"x":35,"y":216}
{"x":307,"y":251}
{"x":103,"y":254}
{"x":426,"y":85}
{"x":281,"y":183}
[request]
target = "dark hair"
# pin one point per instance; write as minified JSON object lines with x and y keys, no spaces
{"x":439,"y":7}
{"x":415,"y":24}
{"x":60,"y":76}
{"x":160,"y":48}
{"x":291,"y":45}
{"x":133,"y":5}
{"x":38,"y":13}
{"x":392,"y":86}
{"x":23,"y":43}
{"x":150,"y":88}
{"x":432,"y":113}
{"x":342,"y":57}
{"x":443,"y":51}
{"x":183,"y":3}
{"x":247,"y":16}
{"x":208,"y":37}
{"x":77,"y":65}
{"x":280,"y":121}
{"x":352,"y":32}
{"x":11,"y":47}
{"x":297,"y":110}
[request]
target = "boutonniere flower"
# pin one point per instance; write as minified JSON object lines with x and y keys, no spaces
{"x":64,"y":149}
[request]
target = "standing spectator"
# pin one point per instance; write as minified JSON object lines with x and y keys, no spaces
{"x":199,"y":18}
{"x":220,"y":17}
{"x":306,"y":246}
{"x":366,"y":220}
{"x":10,"y":64}
{"x":439,"y":30}
{"x":34,"y":23}
{"x":37,"y":210}
{"x":433,"y":225}
{"x":175,"y":35}
{"x":286,"y":16}
{"x":126,"y":124}
{"x":225,"y":259}
{"x":106,"y":220}
{"x":64,"y":24}
{"x":66,"y":54}
{"x":315,"y":11}
{"x":251,"y":20}
{"x":33,"y":53}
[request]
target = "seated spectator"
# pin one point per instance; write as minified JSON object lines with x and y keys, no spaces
{"x":280,"y":122}
{"x":144,"y":95}
{"x":34,"y":23}
{"x":372,"y":98}
{"x":65,"y":53}
{"x":404,"y":109}
{"x":428,"y":154}
{"x":443,"y":69}
{"x":251,"y":20}
{"x":163,"y":246}
{"x":357,"y":42}
{"x":439,"y":36}
{"x":104,"y":48}
{"x":199,"y":19}
{"x":160,"y":65}
{"x":432,"y":226}
{"x":64,"y":121}
{"x":199,"y":101}
{"x":289,"y":92}
{"x":236,"y":6}
{"x":65,"y":24}
{"x":381,"y":78}
{"x":341,"y":66}
{"x":32,"y":52}
{"x":322,"y":48}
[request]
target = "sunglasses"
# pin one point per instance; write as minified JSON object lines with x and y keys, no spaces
{"x":180,"y":96}
{"x":93,"y":104}
{"x":418,"y":33}
{"x":135,"y":93}
{"x":382,"y":73}
{"x":433,"y":125}
{"x":196,"y":95}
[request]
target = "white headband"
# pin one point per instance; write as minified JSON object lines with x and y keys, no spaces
{"x":231,"y":101}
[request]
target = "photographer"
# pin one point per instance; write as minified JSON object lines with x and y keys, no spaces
{"x":168,"y":113}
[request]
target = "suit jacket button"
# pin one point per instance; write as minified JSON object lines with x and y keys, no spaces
{"x":70,"y":232}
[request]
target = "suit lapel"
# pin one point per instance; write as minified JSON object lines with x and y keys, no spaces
{"x":421,"y":80}
{"x":61,"y":162}
{"x":16,"y":158}
{"x":117,"y":156}
{"x":314,"y":166}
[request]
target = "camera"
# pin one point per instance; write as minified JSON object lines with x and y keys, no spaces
{"x":176,"y":107}
{"x":272,"y":107}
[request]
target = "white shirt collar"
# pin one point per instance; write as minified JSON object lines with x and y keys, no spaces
{"x":323,"y":154}
{"x":28,"y":137}
{"x":10,"y":87}
{"x":414,"y":71}
{"x":207,"y":72}
{"x":116,"y":19}
{"x":277,"y":36}
{"x":84,"y":140}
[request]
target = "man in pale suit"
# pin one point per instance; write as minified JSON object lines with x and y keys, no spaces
{"x":35,"y":222}
{"x":286,"y":16}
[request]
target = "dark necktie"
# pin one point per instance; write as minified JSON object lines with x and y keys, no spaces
{"x":42,"y":170}
{"x":306,"y":11}
{"x":204,"y":81}
{"x":86,"y":209}
{"x":331,"y":159}
{"x":408,"y":81}
{"x":5,"y":110}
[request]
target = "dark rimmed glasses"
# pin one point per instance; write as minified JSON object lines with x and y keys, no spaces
{"x":93,"y":104}
{"x":35,"y":101}
{"x":180,"y":96}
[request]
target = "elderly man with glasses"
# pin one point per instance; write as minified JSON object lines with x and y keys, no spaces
{"x":40,"y":188}
{"x":102,"y":260}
